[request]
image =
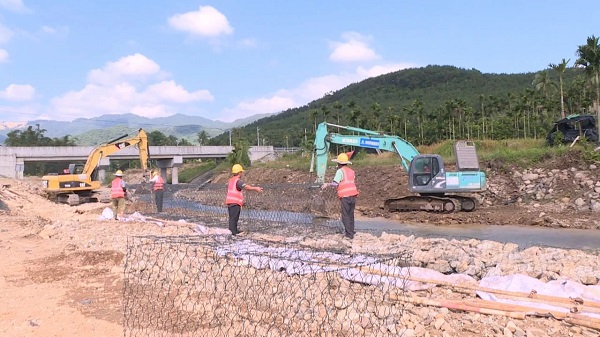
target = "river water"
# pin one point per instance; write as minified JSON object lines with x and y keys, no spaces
{"x":584,"y":239}
{"x":524,"y":236}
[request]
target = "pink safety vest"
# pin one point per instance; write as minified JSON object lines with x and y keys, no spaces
{"x":116,"y":190}
{"x":347,"y":187}
{"x":158,"y":184}
{"x":233,"y":195}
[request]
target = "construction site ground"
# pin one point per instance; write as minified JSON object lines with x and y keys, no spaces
{"x":61,"y":271}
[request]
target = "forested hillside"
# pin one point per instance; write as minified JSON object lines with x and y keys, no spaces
{"x":434,"y":103}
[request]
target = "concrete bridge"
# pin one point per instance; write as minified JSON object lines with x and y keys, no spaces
{"x":14,"y":159}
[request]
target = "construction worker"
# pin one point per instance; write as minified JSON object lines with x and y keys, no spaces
{"x":118,"y":189}
{"x":235,"y":199}
{"x":346,"y":191}
{"x":158,"y":186}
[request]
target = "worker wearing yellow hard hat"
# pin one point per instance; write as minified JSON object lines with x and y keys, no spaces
{"x":235,"y":198}
{"x":118,"y":190}
{"x":346,"y":191}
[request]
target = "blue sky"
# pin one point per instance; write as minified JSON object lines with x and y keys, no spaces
{"x":224,"y":60}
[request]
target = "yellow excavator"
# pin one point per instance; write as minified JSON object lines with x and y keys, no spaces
{"x":80,"y":184}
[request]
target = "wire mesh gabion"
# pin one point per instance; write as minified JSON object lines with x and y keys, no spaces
{"x":280,"y":209}
{"x":230,"y":286}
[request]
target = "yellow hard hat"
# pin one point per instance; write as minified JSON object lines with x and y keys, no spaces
{"x":237,"y":168}
{"x":342,"y":158}
{"x":119,"y":173}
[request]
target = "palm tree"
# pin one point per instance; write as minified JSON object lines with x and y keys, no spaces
{"x":313,"y":116}
{"x":589,"y":58}
{"x":338,"y":110}
{"x":355,"y":115}
{"x":481,"y":100}
{"x":560,"y":69}
{"x":376,"y":113}
{"x":542,"y":83}
{"x":325,"y":110}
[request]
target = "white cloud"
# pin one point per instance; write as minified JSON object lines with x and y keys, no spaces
{"x":248,"y":43}
{"x":307,"y":91}
{"x":136,"y":66}
{"x":173,"y":92}
{"x":354,"y":48}
{"x":206,"y":22}
{"x":5,"y":34}
{"x":383,"y":69}
{"x":14,"y":6}
{"x":3,"y":55}
{"x":19,"y":113}
{"x":18,"y":92}
{"x":132,"y":84}
{"x":48,"y":30}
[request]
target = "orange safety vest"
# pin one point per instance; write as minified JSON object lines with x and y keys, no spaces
{"x":158,"y":184}
{"x":233,"y":195}
{"x":116,"y":190}
{"x":347,"y":187}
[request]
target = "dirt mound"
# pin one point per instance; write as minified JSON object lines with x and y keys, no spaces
{"x":509,"y":199}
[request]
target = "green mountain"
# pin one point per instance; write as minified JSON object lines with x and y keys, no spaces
{"x":96,"y":130}
{"x":429,"y":104}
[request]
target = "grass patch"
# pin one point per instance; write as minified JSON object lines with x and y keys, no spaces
{"x":519,"y":152}
{"x":295,"y":161}
{"x":191,"y":171}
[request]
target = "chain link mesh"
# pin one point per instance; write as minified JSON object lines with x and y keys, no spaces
{"x":285,"y":209}
{"x":222,"y":285}
{"x":228,"y":286}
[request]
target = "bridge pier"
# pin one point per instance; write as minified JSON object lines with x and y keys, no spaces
{"x":174,"y":164}
{"x":8,"y":165}
{"x":19,"y":168}
{"x":102,"y":167}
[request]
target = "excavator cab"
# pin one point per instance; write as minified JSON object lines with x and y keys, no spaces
{"x":423,"y":169}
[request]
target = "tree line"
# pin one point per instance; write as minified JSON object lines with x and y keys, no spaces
{"x":436,"y":103}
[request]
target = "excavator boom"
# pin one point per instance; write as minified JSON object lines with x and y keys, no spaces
{"x":363,"y":138}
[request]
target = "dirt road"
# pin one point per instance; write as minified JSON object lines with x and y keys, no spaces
{"x":61,"y":272}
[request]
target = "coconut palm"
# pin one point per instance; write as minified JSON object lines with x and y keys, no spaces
{"x":589,"y":58}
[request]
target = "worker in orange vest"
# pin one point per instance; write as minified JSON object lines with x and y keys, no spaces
{"x":346,"y":191}
{"x":118,"y":189}
{"x":235,"y":199}
{"x":158,"y":184}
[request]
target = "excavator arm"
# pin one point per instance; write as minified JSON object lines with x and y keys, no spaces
{"x":363,"y":138}
{"x":115,"y":145}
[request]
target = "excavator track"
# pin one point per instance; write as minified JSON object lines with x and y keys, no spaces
{"x":441,"y":204}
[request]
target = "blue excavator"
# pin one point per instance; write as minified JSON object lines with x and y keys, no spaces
{"x":434,"y":189}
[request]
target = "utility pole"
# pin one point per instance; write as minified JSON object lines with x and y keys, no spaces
{"x":229,"y":137}
{"x":257,"y":137}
